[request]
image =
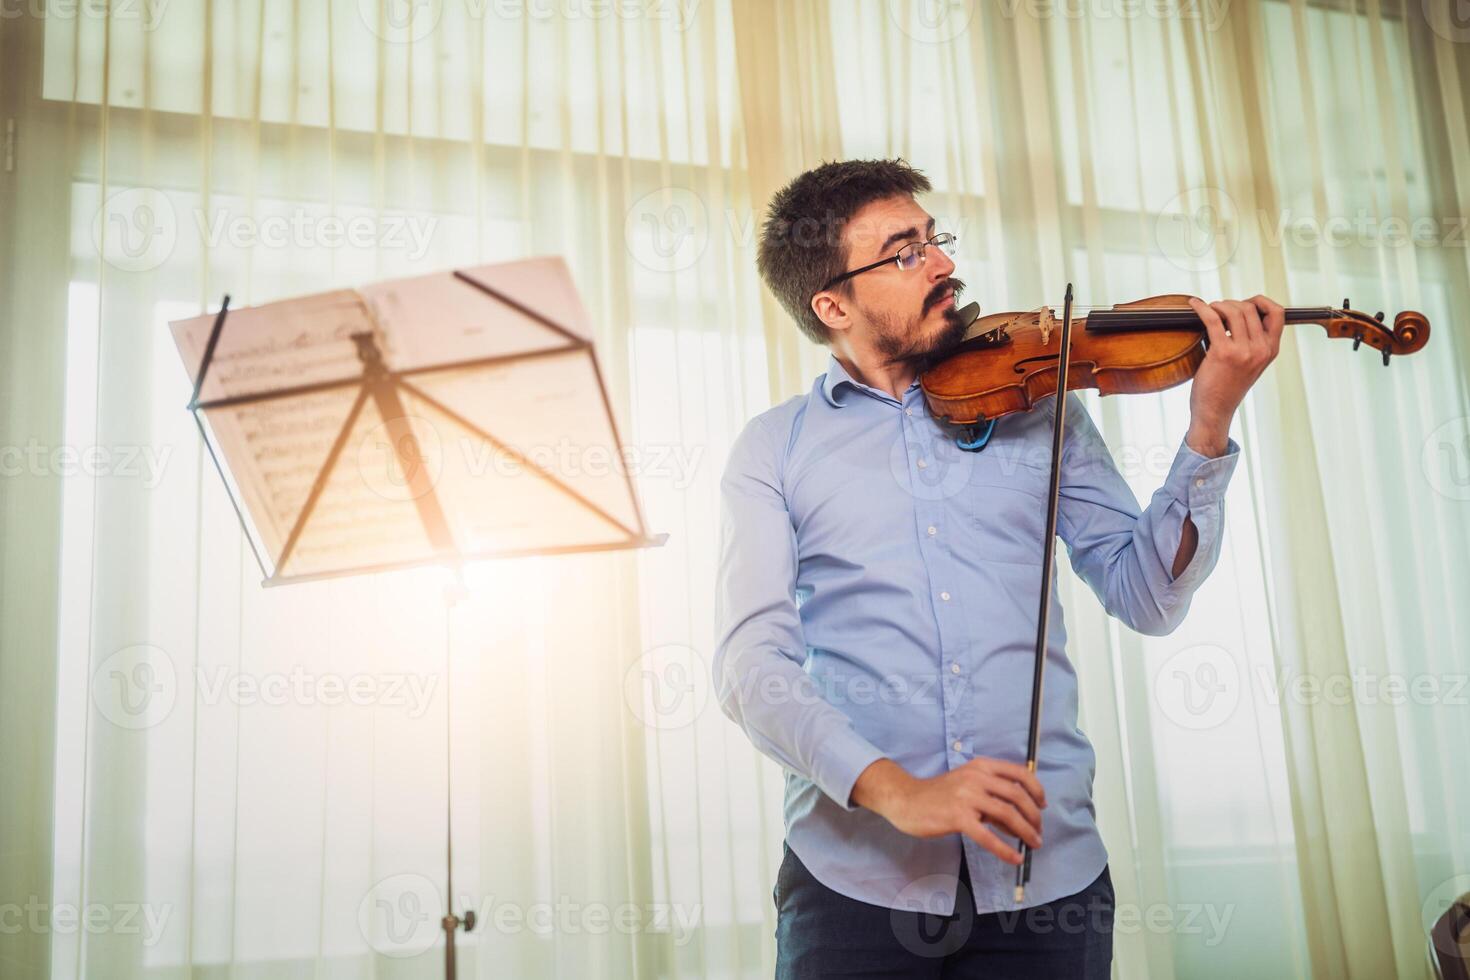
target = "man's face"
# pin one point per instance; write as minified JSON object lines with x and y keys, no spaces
{"x":903,"y":314}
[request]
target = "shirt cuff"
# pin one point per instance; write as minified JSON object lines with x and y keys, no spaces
{"x":846,"y":756}
{"x":1196,"y":480}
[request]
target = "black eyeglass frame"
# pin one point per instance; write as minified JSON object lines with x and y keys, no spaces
{"x":949,"y":239}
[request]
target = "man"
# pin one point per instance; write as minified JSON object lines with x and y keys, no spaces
{"x":877,"y":598}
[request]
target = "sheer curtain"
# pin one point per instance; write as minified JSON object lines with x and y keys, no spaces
{"x":1278,"y":782}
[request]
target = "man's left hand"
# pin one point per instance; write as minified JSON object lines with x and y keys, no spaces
{"x":1245,"y":336}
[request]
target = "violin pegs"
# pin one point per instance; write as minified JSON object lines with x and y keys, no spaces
{"x":1357,"y":340}
{"x":1347,"y":304}
{"x":1385,"y":358}
{"x":1378,"y":316}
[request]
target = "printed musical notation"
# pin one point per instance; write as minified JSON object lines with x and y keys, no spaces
{"x":275,"y":446}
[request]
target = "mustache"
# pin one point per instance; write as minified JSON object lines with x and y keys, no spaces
{"x":938,"y":292}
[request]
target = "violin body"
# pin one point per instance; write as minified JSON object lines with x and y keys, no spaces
{"x":1008,"y":361}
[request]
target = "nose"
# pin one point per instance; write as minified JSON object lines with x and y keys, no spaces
{"x":937,"y":264}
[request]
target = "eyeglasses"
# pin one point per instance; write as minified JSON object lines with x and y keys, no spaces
{"x":911,"y":256}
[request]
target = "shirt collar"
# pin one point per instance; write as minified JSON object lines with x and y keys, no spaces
{"x":837,"y":375}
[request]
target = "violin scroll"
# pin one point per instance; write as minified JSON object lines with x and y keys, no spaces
{"x":1409,"y":333}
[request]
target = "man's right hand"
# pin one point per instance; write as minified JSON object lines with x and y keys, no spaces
{"x":962,"y":801}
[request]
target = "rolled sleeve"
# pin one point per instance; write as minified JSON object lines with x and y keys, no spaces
{"x":1126,"y":556}
{"x":1197,"y":484}
{"x":760,"y":654}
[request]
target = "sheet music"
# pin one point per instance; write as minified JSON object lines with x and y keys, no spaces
{"x":548,"y":407}
{"x":440,"y":319}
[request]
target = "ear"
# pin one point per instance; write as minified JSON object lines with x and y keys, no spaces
{"x":832,"y":309}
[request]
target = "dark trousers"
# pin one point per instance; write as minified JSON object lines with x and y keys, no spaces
{"x":820,"y":933}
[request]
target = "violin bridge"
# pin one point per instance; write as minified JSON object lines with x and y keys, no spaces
{"x":1046,"y":321}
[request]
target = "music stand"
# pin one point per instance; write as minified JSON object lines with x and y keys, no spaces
{"x":326,"y":418}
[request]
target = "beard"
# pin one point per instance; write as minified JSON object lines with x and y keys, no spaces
{"x":905,"y":342}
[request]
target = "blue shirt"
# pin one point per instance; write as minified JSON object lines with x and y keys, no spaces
{"x":877,"y":596}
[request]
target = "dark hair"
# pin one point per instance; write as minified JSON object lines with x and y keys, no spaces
{"x":801,"y":247}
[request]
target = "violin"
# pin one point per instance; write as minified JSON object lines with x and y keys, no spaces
{"x":1006,"y":362}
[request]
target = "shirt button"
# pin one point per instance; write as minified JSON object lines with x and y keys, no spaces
{"x":933,"y":530}
{"x":922,"y":464}
{"x":944,"y":596}
{"x":1199,"y":482}
{"x":959,"y":746}
{"x":954,"y":668}
{"x":908,"y":411}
